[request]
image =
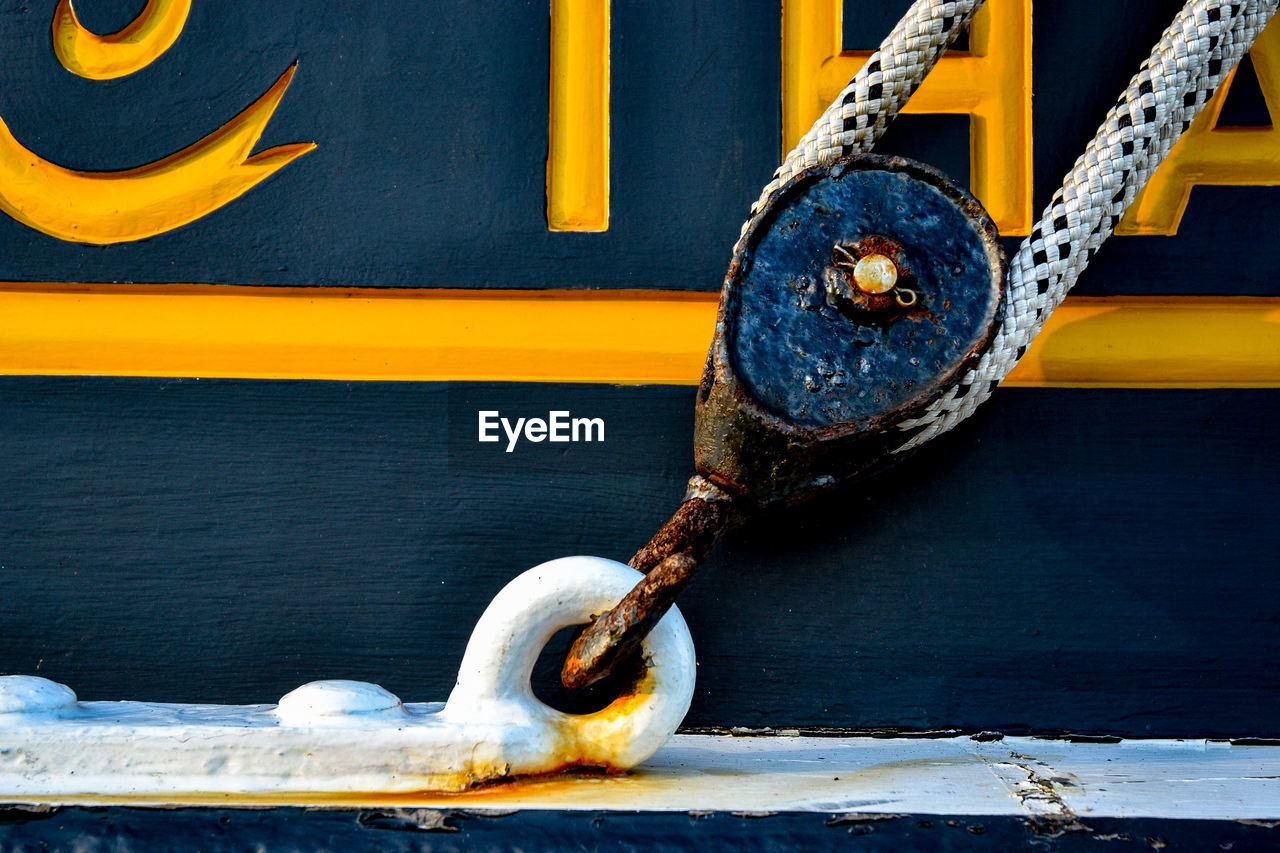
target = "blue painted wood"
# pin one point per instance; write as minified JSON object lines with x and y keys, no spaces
{"x":432,"y":143}
{"x":1097,"y":561}
{"x":125,"y":830}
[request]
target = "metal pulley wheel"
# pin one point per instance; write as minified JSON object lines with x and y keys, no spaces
{"x":857,"y":296}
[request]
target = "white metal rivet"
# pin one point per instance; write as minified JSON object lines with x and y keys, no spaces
{"x":320,"y":701}
{"x":31,"y":694}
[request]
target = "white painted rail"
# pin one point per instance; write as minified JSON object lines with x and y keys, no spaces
{"x":344,"y":737}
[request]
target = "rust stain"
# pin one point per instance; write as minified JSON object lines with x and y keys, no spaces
{"x":499,"y":792}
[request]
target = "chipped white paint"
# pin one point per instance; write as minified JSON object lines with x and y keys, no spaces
{"x":1020,"y":776}
{"x":344,"y":737}
{"x":1028,"y":777}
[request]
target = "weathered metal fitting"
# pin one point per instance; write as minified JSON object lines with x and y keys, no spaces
{"x":812,"y":373}
{"x":669,"y":561}
{"x":350,"y":737}
{"x":614,"y":635}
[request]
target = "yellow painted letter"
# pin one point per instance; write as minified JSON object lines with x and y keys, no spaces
{"x":1208,"y":154}
{"x":118,"y":54}
{"x":113,"y":207}
{"x":991,"y":83}
{"x":578,"y":132}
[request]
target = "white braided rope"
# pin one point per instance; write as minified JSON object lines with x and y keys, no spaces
{"x":1203,"y":44}
{"x":1222,"y":60}
{"x":861,"y":113}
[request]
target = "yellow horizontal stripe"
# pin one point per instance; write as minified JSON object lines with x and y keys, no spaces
{"x":626,"y":337}
{"x":1157,"y":342}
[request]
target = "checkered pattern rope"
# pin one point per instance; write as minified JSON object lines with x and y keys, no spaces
{"x":861,"y":113}
{"x":1198,"y":50}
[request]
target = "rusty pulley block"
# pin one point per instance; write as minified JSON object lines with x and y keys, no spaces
{"x":858,"y":295}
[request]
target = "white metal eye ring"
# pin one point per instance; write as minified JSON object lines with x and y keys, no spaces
{"x":493,"y":679}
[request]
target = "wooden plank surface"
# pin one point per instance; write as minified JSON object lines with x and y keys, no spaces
{"x":1097,"y":561}
{"x":446,"y":831}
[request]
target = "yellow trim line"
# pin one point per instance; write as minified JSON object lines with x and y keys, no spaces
{"x":623,"y":337}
